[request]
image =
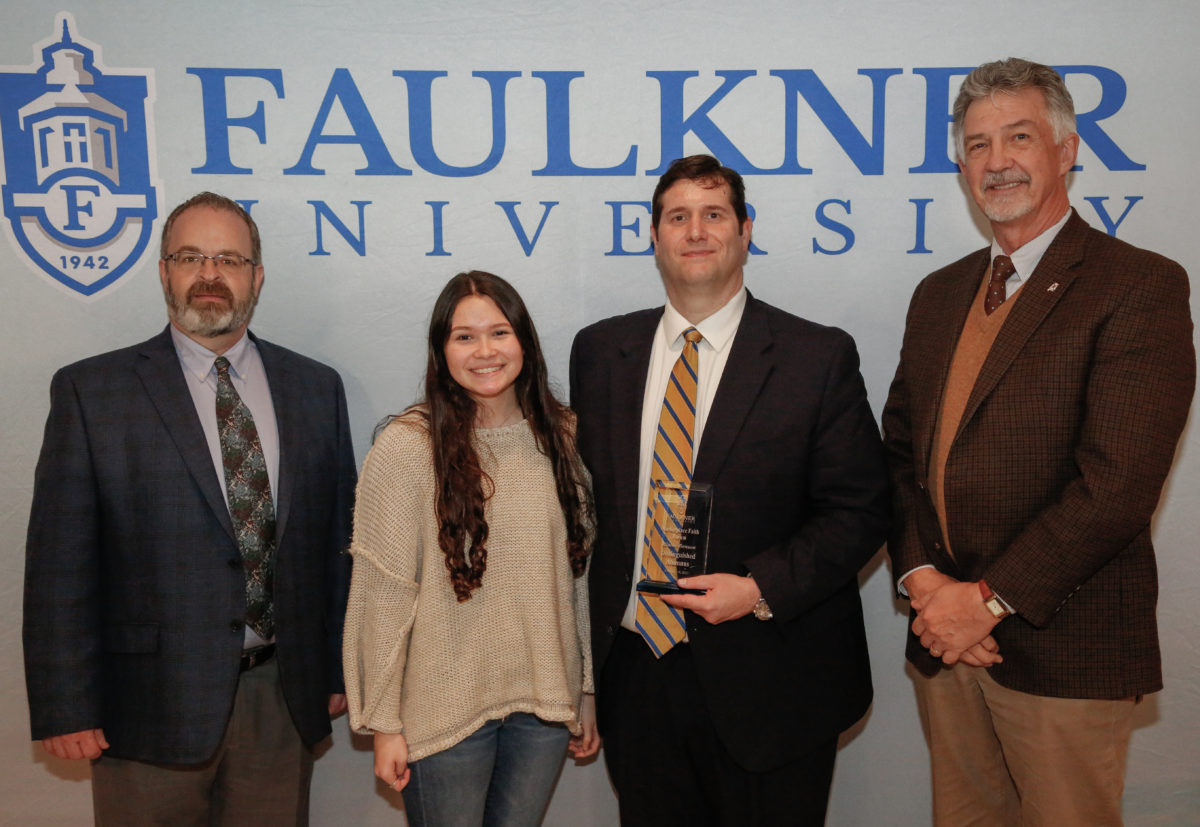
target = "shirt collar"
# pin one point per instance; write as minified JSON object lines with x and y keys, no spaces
{"x":718,"y":329}
{"x":1026,"y":257}
{"x":198,"y":360}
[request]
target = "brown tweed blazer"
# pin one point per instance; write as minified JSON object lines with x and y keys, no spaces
{"x":1058,"y":463}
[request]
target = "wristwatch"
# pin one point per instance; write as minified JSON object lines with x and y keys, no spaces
{"x":990,"y":600}
{"x":761,"y":610}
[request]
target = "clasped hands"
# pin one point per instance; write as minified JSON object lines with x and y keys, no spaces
{"x":952,"y":622}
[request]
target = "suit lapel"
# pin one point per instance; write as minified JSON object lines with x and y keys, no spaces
{"x":162,"y":377}
{"x":746,"y":371}
{"x":284,"y":389}
{"x":626,"y":396}
{"x":1045,"y":288}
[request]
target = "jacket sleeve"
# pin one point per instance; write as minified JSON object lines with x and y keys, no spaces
{"x":846,"y":494}
{"x":338,"y":574}
{"x":62,"y":626}
{"x":904,"y":541}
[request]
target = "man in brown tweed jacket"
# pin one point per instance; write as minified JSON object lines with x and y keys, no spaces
{"x":1042,"y":386}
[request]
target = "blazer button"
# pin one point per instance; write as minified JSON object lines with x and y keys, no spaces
{"x":937,"y":545}
{"x":236,"y":625}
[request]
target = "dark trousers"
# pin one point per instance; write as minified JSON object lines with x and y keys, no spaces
{"x":669,"y":766}
{"x":259,"y":776}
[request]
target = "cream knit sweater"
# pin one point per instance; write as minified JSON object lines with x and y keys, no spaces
{"x":419,"y":662}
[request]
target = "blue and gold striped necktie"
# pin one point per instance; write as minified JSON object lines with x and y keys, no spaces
{"x":659,"y":624}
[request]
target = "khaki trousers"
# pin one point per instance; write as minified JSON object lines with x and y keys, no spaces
{"x":1004,"y":758}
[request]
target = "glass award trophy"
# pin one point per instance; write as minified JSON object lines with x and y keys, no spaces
{"x":678,"y":536}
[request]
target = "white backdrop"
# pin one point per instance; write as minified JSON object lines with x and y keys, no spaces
{"x":856,"y":92}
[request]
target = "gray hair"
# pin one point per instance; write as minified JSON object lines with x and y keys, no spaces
{"x":1011,"y":76}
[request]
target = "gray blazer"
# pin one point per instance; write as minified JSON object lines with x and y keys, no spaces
{"x":134,"y":591}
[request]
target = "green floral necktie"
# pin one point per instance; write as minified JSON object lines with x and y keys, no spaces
{"x":249,"y":490}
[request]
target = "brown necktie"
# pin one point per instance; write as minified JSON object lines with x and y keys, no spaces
{"x":1002,"y":268}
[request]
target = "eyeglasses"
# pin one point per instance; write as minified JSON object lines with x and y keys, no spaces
{"x":189,"y":261}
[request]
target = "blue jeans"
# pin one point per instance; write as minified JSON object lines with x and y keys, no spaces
{"x":501,"y":775}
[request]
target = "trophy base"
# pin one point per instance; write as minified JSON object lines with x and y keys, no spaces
{"x":659,"y":587}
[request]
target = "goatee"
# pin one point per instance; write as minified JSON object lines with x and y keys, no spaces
{"x":209,"y":319}
{"x":1006,"y":205}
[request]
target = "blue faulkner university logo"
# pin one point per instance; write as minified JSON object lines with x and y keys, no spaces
{"x":77,"y":170}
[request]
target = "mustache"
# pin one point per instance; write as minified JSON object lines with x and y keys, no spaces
{"x":1009,"y":176}
{"x":212,"y":288}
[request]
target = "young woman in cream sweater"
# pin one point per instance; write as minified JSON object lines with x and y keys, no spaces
{"x":467,"y":650}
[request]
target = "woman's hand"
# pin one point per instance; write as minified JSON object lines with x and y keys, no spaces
{"x":391,"y":759}
{"x":586,"y":743}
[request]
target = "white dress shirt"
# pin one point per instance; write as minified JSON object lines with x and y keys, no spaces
{"x":1025,"y":258}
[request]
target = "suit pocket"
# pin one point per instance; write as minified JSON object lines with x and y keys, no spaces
{"x":131,"y":638}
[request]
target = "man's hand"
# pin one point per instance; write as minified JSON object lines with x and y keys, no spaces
{"x":586,"y":743}
{"x":337,"y":705}
{"x":952,"y":619}
{"x":925,"y":581}
{"x":86,"y":744}
{"x":920,"y":585}
{"x":391,"y":759}
{"x":985,"y":653}
{"x":726,"y":597}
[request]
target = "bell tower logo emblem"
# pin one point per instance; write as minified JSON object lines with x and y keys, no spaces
{"x":80,"y":184}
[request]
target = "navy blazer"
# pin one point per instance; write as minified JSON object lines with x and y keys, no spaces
{"x":800,"y":499}
{"x":134,"y":589}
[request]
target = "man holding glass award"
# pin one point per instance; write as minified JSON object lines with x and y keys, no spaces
{"x":739,"y":487}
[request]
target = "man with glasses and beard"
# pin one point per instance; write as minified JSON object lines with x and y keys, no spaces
{"x":184,"y":583}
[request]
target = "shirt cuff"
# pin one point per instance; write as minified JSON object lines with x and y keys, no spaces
{"x":900,"y":583}
{"x":1004,"y":603}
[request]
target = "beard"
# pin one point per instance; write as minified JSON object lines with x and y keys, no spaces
{"x":1000,"y":207}
{"x":207,"y":320}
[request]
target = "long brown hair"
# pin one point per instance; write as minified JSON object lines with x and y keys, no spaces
{"x":462,"y":487}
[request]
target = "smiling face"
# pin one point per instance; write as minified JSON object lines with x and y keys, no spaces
{"x":1014,"y":168}
{"x":699,"y":246}
{"x":212,"y":308}
{"x":485,"y":358}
